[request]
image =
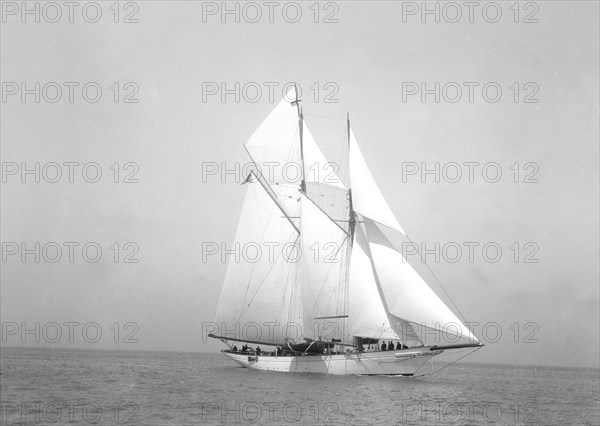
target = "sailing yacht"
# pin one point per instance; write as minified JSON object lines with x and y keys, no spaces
{"x":319,"y":285}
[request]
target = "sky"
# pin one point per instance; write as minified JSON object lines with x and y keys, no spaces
{"x":161,"y":119}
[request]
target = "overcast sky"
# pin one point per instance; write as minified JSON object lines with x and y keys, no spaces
{"x":370,"y":62}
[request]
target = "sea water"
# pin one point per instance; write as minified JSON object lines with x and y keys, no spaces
{"x":64,"y":386}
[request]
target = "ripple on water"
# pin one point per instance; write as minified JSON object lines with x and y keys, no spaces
{"x":186,"y":388}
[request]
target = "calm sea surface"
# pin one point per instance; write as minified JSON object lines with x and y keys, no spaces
{"x":60,"y":386}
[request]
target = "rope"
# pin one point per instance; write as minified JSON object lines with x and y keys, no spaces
{"x":243,"y":307}
{"x":446,"y":366}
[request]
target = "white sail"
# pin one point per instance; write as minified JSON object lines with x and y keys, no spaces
{"x":407,"y":295}
{"x":317,"y":169}
{"x":366,"y":196}
{"x":261,"y":296}
{"x":275,"y":145}
{"x":323,"y":185}
{"x":275,"y":148}
{"x":367,"y":314}
{"x":324,"y":268}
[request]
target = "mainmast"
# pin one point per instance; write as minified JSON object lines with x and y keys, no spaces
{"x":300,"y":128}
{"x":352,"y":218}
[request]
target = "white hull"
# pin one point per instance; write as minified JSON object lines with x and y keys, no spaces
{"x":403,"y":362}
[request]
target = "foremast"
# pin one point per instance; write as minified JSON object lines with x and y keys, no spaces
{"x":296,"y":102}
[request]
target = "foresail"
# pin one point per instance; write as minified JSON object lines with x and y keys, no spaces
{"x":407,"y":295}
{"x":261,"y":296}
{"x":366,"y":196}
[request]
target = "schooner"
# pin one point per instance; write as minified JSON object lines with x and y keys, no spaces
{"x":321,"y":286}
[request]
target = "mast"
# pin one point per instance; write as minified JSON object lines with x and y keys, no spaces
{"x":351,"y":227}
{"x":300,"y":128}
{"x":352,"y":218}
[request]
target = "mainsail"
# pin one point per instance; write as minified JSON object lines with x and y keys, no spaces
{"x":304,"y":273}
{"x":261,"y":288}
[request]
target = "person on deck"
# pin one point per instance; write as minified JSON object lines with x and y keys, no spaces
{"x":390,"y":346}
{"x":383,"y":346}
{"x":235,"y":348}
{"x":398,"y":346}
{"x":258,"y":350}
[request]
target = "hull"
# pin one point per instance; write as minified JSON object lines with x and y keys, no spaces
{"x":403,"y":362}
